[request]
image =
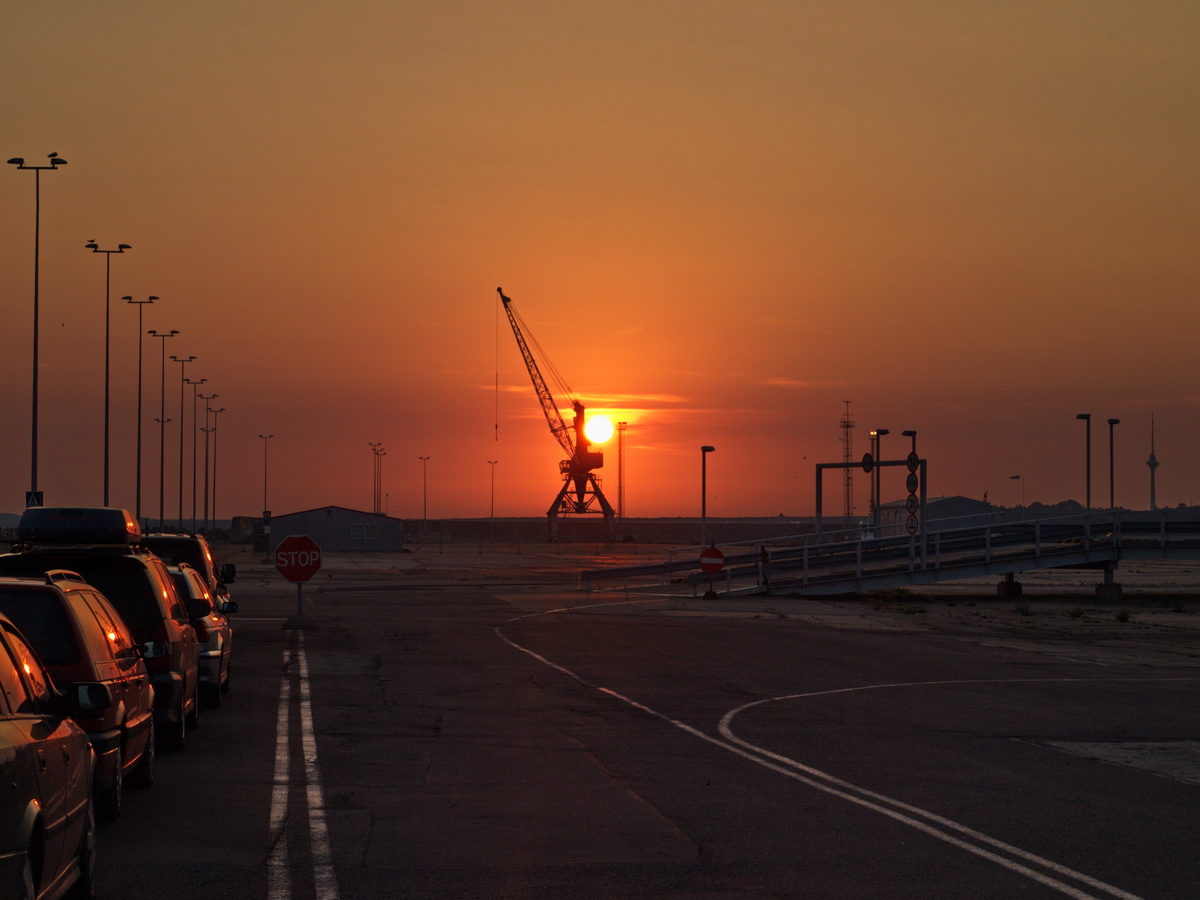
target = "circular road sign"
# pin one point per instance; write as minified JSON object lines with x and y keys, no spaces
{"x":868,"y":463}
{"x":712,"y":560}
{"x":912,"y":482}
{"x":297,"y":558}
{"x":913,"y":461}
{"x":911,"y":524}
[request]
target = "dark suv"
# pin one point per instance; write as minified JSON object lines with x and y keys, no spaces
{"x":194,"y":550}
{"x":102,"y":545}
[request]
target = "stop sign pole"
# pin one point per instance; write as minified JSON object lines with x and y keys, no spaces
{"x":298,"y":558}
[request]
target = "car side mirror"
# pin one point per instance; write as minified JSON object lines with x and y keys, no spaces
{"x":229,"y":607}
{"x":154,"y":649}
{"x":228,"y":573}
{"x":88,"y":697}
{"x":198,"y":609}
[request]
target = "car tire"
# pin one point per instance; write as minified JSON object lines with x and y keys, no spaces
{"x":142,"y":775}
{"x":108,"y":802}
{"x":84,"y":887}
{"x":193,"y":718}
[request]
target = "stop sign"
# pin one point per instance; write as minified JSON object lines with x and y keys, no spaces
{"x":712,"y":560}
{"x":297,"y":558}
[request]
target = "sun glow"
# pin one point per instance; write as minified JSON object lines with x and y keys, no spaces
{"x":598,"y":429}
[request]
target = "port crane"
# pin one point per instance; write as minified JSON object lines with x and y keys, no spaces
{"x":580,"y":493}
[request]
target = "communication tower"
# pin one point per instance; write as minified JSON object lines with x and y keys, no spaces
{"x":848,"y":458}
{"x":621,"y":426}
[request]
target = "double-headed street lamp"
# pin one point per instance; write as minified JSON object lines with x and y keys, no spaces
{"x":215,"y":413}
{"x":207,"y":431}
{"x":95,"y":248}
{"x":1087,"y":417}
{"x":195,"y":383}
{"x":162,"y":424}
{"x":183,"y":361}
{"x":140,"y":305}
{"x":377,"y":475}
{"x":704,"y":451}
{"x":33,"y":498}
{"x":1112,"y":503}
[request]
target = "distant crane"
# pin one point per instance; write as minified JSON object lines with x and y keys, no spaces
{"x":580,"y":493}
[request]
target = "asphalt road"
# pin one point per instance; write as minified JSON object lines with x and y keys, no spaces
{"x":472,"y":728}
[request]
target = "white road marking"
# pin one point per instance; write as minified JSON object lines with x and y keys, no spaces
{"x":322,"y":852}
{"x":279,"y":885}
{"x":278,"y":864}
{"x":861,"y":796}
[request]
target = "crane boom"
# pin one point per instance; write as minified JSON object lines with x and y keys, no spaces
{"x":558,"y":427}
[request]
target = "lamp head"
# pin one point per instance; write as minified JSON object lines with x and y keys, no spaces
{"x":880,"y":432}
{"x":17,"y":161}
{"x":1114,"y":421}
{"x":909,"y":433}
{"x":121,"y":248}
{"x":707,"y":449}
{"x":92,"y":245}
{"x":1085,"y":416}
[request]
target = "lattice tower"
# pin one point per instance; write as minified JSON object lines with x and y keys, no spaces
{"x":847,"y":457}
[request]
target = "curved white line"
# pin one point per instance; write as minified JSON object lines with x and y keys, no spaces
{"x":852,"y":793}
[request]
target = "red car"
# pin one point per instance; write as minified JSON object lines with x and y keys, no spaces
{"x":81,"y":638}
{"x":47,"y":829}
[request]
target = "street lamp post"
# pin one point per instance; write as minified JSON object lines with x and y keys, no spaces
{"x":215,"y":412}
{"x":207,"y":431}
{"x":95,"y":248}
{"x":377,"y":487}
{"x":195,"y":383}
{"x":266,"y":509}
{"x":1087,"y":418}
{"x":140,"y":306}
{"x":424,"y":494}
{"x":876,"y":484}
{"x":183,"y":361}
{"x":1112,"y":503}
{"x":162,"y":423}
{"x":704,"y":451}
{"x":55,"y":161}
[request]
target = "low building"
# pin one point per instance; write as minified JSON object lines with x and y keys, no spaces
{"x":941,"y":514}
{"x":336,"y":529}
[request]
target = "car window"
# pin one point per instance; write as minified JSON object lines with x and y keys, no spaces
{"x":15,"y":694}
{"x":40,"y":616}
{"x":96,"y":630}
{"x":36,"y":679}
{"x":116,"y":635}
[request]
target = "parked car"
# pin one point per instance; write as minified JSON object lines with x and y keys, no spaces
{"x":79,"y":637}
{"x":47,"y":827}
{"x":102,"y":545}
{"x":213,"y":630}
{"x":194,"y":550}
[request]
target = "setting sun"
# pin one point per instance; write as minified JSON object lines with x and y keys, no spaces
{"x":598,"y":429}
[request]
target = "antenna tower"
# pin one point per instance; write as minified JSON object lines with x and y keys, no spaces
{"x":847,"y":457}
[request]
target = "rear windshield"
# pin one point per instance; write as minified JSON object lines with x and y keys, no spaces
{"x":39,"y":616}
{"x":123,"y":579}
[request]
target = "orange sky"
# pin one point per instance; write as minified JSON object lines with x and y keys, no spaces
{"x":720,"y":219}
